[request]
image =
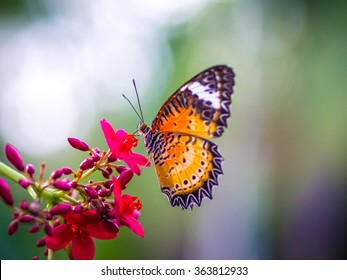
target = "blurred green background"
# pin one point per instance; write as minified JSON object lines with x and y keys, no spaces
{"x":64,"y":65}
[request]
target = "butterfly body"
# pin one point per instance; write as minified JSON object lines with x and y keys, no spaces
{"x":186,"y":161}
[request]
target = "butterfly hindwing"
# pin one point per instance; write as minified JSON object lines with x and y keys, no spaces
{"x":187,"y":167}
{"x":201,"y":106}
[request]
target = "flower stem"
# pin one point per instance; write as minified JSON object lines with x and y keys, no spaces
{"x":64,"y":197}
{"x":86,"y":174}
{"x":10,"y":173}
{"x":15,"y":176}
{"x":50,"y":254}
{"x":34,"y":192}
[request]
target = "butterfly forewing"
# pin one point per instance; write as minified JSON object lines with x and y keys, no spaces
{"x":201,"y":106}
{"x":186,"y":162}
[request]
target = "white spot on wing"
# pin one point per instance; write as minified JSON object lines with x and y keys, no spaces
{"x":203,"y":93}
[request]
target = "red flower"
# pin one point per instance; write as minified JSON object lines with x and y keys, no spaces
{"x":126,"y":209}
{"x":80,"y":229}
{"x":120,"y":144}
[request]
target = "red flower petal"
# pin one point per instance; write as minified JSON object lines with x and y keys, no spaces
{"x":140,"y":159}
{"x":120,"y":135}
{"x":133,"y":166}
{"x":133,"y":224}
{"x":61,"y":237}
{"x":82,"y":248}
{"x":91,"y":216}
{"x":73,"y":218}
{"x":82,"y":218}
{"x":133,"y":160}
{"x":109,"y":133}
{"x":103,"y":230}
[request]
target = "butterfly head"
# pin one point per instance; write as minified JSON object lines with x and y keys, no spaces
{"x":143,"y":128}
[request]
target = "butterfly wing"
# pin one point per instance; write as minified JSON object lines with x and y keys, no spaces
{"x":187,"y":167}
{"x":201,"y":106}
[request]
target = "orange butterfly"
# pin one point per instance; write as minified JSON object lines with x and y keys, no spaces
{"x":186,"y":162}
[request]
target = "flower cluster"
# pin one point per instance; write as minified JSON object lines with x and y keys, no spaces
{"x":76,"y":208}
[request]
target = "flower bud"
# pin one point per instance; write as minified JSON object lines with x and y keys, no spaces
{"x":77,"y":208}
{"x":88,"y":163}
{"x":60,"y":209}
{"x":34,"y":228}
{"x":48,"y":216}
{"x":103,"y":192}
{"x":73,"y":184}
{"x":41,"y":242}
{"x":5,"y":192}
{"x":24,"y":183}
{"x":105,"y":173}
{"x":78,"y":144}
{"x":111,"y":158}
{"x":34,"y":206}
{"x":30,"y":169}
{"x":108,"y":184}
{"x":136,"y":214}
{"x":62,"y":185}
{"x":56,"y":222}
{"x":95,"y":157}
{"x":121,"y":168}
{"x":91,"y":192}
{"x":14,"y":157}
{"x":125,"y":177}
{"x":48,"y":230}
{"x":26,"y":218}
{"x":57,"y":174}
{"x":67,"y":170}
{"x":24,"y":205}
{"x":12,"y":227}
{"x":109,"y":169}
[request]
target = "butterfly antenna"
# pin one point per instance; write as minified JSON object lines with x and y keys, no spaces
{"x":138,"y":101}
{"x":132,"y":106}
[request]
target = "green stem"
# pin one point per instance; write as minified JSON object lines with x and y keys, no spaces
{"x":15,"y":176}
{"x":64,"y":197}
{"x":87,"y":173}
{"x":10,"y":173}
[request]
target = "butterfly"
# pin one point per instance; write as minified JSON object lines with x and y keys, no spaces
{"x":187,"y":163}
